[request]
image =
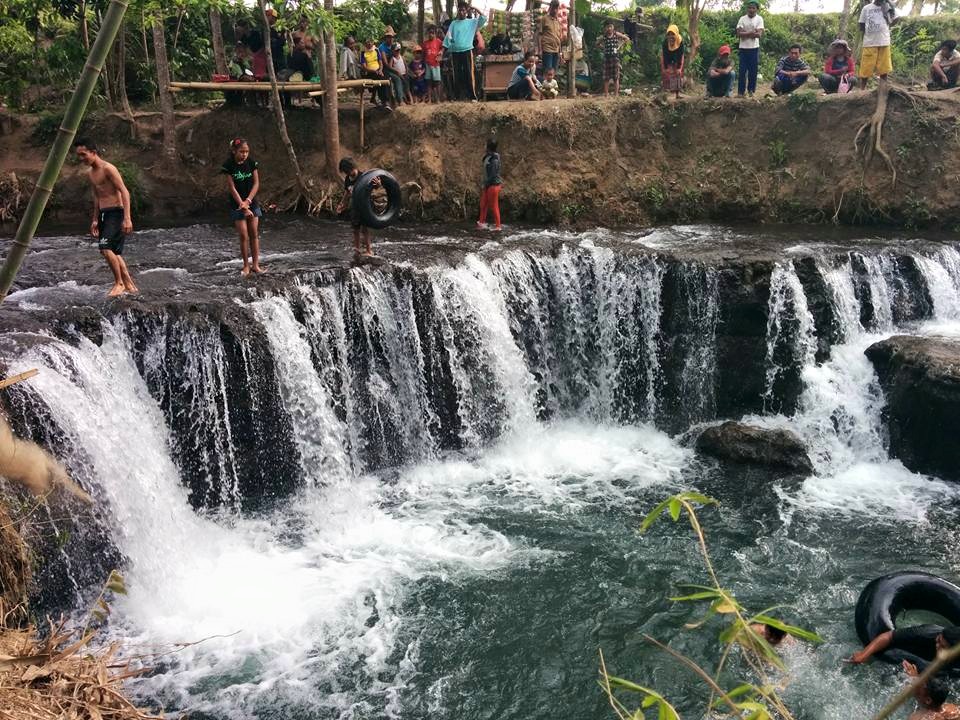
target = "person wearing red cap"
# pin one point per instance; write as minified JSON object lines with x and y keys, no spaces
{"x":721,"y":75}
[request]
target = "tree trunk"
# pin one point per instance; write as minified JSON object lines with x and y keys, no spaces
{"x":331,"y":102}
{"x":844,"y":20}
{"x":216,"y":35}
{"x":278,"y":107}
{"x":84,"y":27}
{"x":437,"y":12}
{"x":916,"y":8}
{"x":122,"y":85}
{"x":450,"y":9}
{"x":421,"y":11}
{"x":61,"y":145}
{"x":163,"y":89}
{"x":693,"y":28}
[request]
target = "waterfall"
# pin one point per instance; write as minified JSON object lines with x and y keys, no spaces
{"x":306,"y":469}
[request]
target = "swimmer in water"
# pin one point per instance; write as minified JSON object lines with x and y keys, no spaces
{"x":931,"y":698}
{"x":921,"y":640}
{"x":774,"y":636}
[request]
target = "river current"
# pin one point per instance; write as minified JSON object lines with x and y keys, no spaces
{"x":467,"y":449}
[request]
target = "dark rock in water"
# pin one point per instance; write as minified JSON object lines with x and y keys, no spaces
{"x":760,"y":446}
{"x":921,"y":378}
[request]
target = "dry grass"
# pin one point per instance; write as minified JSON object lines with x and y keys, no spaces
{"x":60,"y":677}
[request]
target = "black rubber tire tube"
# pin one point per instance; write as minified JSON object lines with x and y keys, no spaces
{"x":886,"y":597}
{"x":363,"y":207}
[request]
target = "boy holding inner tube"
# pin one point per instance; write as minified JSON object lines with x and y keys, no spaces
{"x":351,"y":174}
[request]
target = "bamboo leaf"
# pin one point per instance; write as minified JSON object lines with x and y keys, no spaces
{"x":103,"y":606}
{"x":704,"y":595}
{"x":651,"y":518}
{"x":675,"y":508}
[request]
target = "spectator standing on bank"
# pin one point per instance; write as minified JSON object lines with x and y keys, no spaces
{"x":749,"y":30}
{"x":610,"y":42}
{"x":550,"y":37}
{"x":875,"y":21}
{"x":459,"y":42}
{"x":432,"y":55}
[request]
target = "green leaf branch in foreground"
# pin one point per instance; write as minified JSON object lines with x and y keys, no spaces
{"x":759,"y":700}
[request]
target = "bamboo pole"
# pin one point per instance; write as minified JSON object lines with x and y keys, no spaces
{"x":572,"y":65}
{"x":258,"y":86}
{"x":61,"y":145}
{"x":14,"y":379}
{"x":362,"y":93}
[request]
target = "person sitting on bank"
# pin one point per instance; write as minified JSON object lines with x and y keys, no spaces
{"x":838,"y":68}
{"x":946,"y":66}
{"x":523,"y":84}
{"x":931,"y":698}
{"x":792,"y":72}
{"x":922,"y":641}
{"x":550,"y":87}
{"x":671,"y":61}
{"x":721,"y":76}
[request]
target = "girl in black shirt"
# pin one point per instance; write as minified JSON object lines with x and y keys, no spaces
{"x":243,"y":184}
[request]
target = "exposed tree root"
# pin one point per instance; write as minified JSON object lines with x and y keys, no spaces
{"x":873,"y":129}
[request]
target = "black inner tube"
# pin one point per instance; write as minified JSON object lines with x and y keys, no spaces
{"x":885,"y":598}
{"x":362,"y":199}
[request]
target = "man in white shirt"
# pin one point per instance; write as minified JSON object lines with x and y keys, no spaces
{"x":946,"y":66}
{"x":749,"y":30}
{"x":875,"y":21}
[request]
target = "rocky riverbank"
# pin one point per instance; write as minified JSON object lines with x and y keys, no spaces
{"x":594,"y":161}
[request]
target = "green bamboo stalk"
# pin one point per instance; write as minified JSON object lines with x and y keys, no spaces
{"x":61,"y":146}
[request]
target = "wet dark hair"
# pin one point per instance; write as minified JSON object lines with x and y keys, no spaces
{"x":774,"y":635}
{"x":796,"y":46}
{"x":86,"y":143}
{"x":937,"y":692}
{"x":950,"y":45}
{"x":951,"y":635}
{"x":491,"y":145}
{"x":347,"y":165}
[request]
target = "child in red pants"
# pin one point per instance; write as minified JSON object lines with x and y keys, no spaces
{"x":492,"y":182}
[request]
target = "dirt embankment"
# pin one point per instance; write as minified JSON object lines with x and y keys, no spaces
{"x":624,"y":161}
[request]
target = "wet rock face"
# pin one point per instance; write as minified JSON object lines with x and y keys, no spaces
{"x":752,"y":445}
{"x":921,"y":379}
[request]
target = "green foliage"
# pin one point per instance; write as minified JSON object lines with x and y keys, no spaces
{"x":132,"y":178}
{"x":16,"y":59}
{"x":366,"y":19}
{"x":779,"y":154}
{"x":46,"y":128}
{"x":756,"y":700}
{"x":803,"y":104}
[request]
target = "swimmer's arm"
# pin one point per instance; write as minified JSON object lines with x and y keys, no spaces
{"x":95,"y":221}
{"x":255,"y":189}
{"x":880,"y":643}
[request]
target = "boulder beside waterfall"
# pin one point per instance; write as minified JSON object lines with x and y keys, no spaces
{"x":921,"y":379}
{"x":748,"y":444}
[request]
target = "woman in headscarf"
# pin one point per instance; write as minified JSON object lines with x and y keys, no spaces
{"x":671,"y":61}
{"x":839,"y":64}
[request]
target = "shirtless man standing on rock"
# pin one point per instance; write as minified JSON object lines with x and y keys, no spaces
{"x":111,"y":214}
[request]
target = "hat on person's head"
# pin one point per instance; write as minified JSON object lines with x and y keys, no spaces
{"x":724,"y":50}
{"x":755,"y":3}
{"x":388,"y":31}
{"x":270,"y":12}
{"x":417,"y":48}
{"x":396,"y":46}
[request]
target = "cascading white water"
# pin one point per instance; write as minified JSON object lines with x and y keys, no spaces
{"x":338,"y":594}
{"x":788,"y":321}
